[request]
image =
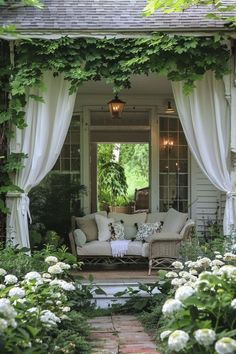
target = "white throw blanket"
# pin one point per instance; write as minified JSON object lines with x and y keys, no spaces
{"x":119,"y":247}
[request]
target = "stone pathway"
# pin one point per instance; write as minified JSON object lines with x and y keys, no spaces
{"x":120,"y":335}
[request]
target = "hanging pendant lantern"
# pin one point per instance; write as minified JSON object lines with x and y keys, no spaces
{"x":116,"y":107}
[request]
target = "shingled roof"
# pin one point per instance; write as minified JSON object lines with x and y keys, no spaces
{"x":105,"y":16}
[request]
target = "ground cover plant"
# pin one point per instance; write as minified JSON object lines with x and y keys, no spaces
{"x":38,"y":311}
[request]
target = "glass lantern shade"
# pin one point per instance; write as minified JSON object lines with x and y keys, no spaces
{"x":116,"y":107}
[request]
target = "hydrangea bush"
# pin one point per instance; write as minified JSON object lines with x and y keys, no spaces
{"x":201,"y":315}
{"x":36,"y":312}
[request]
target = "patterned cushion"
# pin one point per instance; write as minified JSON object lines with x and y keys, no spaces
{"x":147,"y":229}
{"x":117,"y":230}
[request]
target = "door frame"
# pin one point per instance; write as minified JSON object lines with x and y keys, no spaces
{"x":153,"y":154}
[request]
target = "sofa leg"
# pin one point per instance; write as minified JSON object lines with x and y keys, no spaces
{"x":150,"y":267}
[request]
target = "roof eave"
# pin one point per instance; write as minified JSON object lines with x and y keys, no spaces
{"x":111,"y":33}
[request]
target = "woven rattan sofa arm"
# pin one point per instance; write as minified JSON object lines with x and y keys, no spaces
{"x":72,"y":244}
{"x":188,"y":230}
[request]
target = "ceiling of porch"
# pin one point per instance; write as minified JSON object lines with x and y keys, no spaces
{"x":152,"y":84}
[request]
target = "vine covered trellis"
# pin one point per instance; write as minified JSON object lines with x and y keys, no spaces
{"x":184,"y":58}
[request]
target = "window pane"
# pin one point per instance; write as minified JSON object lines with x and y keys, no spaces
{"x":173,"y":165}
{"x":173,"y":124}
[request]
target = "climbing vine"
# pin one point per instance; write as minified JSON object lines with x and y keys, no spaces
{"x":83,"y":59}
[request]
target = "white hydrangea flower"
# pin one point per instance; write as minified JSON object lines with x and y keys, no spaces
{"x":55,"y":269}
{"x":219,"y":256}
{"x":178,"y":265}
{"x":228,"y":256}
{"x":33,"y":309}
{"x":171,"y":275}
{"x":10,"y":279}
{"x":51,"y":259}
{"x":63,"y":284}
{"x":177,"y":340}
{"x":171,"y":306}
{"x":184,"y":292}
{"x":204,"y":262}
{"x":216,"y":252}
{"x":46,"y":276}
{"x":233,"y":304}
{"x":176,"y":282}
{"x":217,"y":263}
{"x":3,"y":325}
{"x":185,"y":274}
{"x":2,"y":286}
{"x":32,"y":276}
{"x":19,"y":301}
{"x":190,"y":264}
{"x":49,"y":317}
{"x":225,"y":345}
{"x":63,"y":265}
{"x":6,"y":309}
{"x":193,"y":278}
{"x":18,"y":292}
{"x":228,"y":270}
{"x":12,"y":322}
{"x":205,"y":336}
{"x":3,"y":272}
{"x":214,"y":269}
{"x":58,"y":303}
{"x":65,"y":309}
{"x":165,"y":334}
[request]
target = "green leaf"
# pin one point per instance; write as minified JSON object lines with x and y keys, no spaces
{"x":99,"y":291}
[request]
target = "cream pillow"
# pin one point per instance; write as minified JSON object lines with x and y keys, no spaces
{"x":80,"y":237}
{"x":89,"y":228}
{"x":104,"y":233}
{"x":174,"y":221}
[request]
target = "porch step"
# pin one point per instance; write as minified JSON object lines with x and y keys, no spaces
{"x":111,"y":288}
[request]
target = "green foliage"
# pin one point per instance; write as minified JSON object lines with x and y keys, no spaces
{"x":169,"y":6}
{"x":18,"y":262}
{"x":143,"y":300}
{"x":21,"y":3}
{"x":113,"y":181}
{"x":82,"y":59}
{"x":53,"y":202}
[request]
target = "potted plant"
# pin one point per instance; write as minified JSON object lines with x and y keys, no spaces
{"x":113,"y":186}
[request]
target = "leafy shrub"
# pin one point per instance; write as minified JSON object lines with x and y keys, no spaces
{"x":200,"y":318}
{"x":18,"y":261}
{"x":36,"y":314}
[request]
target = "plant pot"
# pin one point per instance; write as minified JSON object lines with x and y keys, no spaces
{"x":120,"y":209}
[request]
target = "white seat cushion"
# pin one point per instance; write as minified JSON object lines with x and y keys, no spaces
{"x":103,"y":248}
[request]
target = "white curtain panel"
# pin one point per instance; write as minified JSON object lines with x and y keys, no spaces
{"x":204,"y":115}
{"x":41,"y":140}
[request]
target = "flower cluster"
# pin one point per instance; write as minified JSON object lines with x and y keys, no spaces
{"x":205,"y":291}
{"x":36,"y":300}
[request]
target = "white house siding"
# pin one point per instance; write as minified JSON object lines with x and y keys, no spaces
{"x":205,"y":198}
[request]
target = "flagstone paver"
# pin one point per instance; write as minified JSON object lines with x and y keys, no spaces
{"x":121,"y":334}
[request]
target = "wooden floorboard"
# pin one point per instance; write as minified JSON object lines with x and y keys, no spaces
{"x":110,"y":275}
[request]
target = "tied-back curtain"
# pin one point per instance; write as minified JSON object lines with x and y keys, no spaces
{"x":204,"y":115}
{"x":47,"y":125}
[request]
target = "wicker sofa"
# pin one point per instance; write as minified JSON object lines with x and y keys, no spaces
{"x":160,"y":249}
